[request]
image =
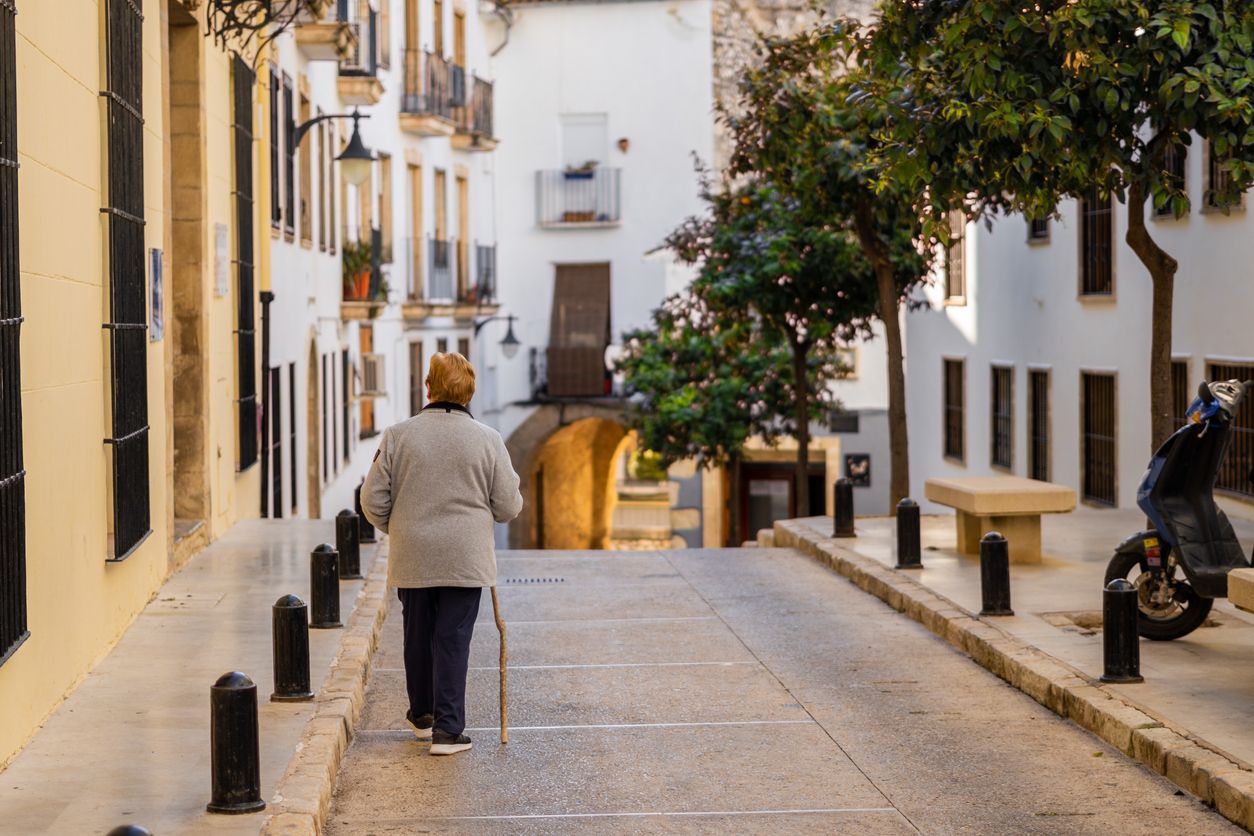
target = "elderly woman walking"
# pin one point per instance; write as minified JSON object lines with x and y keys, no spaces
{"x":439,"y":481}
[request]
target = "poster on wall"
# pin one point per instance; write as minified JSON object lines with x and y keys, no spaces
{"x":156,"y":329}
{"x":221,"y":260}
{"x":858,"y":469}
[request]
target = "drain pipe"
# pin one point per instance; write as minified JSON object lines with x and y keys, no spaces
{"x":507,"y":18}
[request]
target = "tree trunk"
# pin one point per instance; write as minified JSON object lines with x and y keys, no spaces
{"x":800,"y":351}
{"x":1162,"y":270}
{"x":733,"y":512}
{"x":876,"y":252}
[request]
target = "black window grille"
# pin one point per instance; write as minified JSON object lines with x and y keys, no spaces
{"x":955,"y":258}
{"x":291,"y":434}
{"x":1097,"y":276}
{"x":955,"y":410}
{"x":1038,"y":230}
{"x":346,"y":385}
{"x":1174,"y":157}
{"x":1181,"y":394}
{"x":1099,"y":437}
{"x":128,"y":304}
{"x":276,"y":438}
{"x":276,"y":195}
{"x":1217,"y":179}
{"x":1002,"y":400}
{"x":289,"y":158}
{"x":242,"y":83}
{"x":1038,"y":416}
{"x":327,"y":430}
{"x":13,"y":630}
{"x":1234,"y":473}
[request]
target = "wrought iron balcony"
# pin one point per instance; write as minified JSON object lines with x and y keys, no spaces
{"x":579,"y":372}
{"x":427,"y":100}
{"x":358,"y":82}
{"x":578,"y":198}
{"x":485,"y":273}
{"x":474,"y":121}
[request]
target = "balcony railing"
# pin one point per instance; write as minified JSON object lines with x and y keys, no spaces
{"x":485,"y":273}
{"x":476,"y":118}
{"x":456,"y":85}
{"x":578,"y":198}
{"x":569,"y":372}
{"x":428,"y":86}
{"x":363,"y":59}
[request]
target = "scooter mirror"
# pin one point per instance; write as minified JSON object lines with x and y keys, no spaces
{"x":1204,"y":392}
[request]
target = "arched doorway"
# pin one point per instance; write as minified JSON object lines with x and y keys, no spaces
{"x":567,"y":457}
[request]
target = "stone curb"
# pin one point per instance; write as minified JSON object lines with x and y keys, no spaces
{"x":1186,"y":760}
{"x":303,"y":796}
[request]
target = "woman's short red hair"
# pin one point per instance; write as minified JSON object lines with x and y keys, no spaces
{"x":451,"y":377}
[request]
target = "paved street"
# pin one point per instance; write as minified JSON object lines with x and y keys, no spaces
{"x":733,"y":690}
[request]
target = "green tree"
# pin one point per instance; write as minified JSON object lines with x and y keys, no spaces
{"x":801,"y":278}
{"x":708,"y":380}
{"x":1011,"y":106}
{"x":802,"y":126}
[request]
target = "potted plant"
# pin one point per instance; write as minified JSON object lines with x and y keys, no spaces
{"x":581,"y":172}
{"x":356,"y":266}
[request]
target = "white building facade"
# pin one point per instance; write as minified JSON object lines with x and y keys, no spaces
{"x":371,"y":279}
{"x":1032,"y":357}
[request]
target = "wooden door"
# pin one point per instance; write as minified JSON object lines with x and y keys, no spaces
{"x":463,"y":236}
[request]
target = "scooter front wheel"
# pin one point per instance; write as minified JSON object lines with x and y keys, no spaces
{"x":1168,"y":607}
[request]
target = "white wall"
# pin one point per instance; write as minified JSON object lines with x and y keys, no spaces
{"x":647,"y":66}
{"x":1023,"y":308}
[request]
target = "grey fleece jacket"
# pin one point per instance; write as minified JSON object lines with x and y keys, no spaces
{"x":437,"y":484}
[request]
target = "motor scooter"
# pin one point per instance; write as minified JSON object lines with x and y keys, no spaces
{"x":1181,"y":564}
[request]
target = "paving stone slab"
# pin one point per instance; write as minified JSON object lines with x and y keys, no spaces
{"x":567,"y":696}
{"x":594,"y":770}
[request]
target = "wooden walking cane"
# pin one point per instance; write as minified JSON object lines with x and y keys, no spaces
{"x":500,"y":626}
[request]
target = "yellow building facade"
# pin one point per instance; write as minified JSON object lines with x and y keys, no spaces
{"x":137,"y":163}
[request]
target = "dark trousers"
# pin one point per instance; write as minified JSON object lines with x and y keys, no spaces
{"x":438,"y":623}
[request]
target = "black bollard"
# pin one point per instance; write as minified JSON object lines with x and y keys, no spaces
{"x":235,"y":745}
{"x":348,"y":545}
{"x":909,"y":543}
{"x":291,"y":651}
{"x":365,"y":530}
{"x":995,"y":574}
{"x":1121,"y":646}
{"x":843,"y":511}
{"x":324,"y":587}
{"x":129,"y":830}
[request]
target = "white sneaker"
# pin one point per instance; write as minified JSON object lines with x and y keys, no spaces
{"x":421,"y":725}
{"x":443,"y":743}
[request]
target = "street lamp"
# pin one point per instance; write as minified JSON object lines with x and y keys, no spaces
{"x":509,"y":344}
{"x":356,"y":160}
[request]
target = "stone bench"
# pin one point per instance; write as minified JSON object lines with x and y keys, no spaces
{"x":1241,"y":588}
{"x":1007,"y":504}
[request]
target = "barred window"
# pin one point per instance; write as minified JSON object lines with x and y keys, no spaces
{"x":128,"y":309}
{"x":1174,"y":157}
{"x":276,"y":438}
{"x":1099,"y":437}
{"x":1002,"y":401}
{"x":1038,"y":416}
{"x":1097,"y":275}
{"x":955,"y":259}
{"x":242,"y":82}
{"x":955,"y":410}
{"x":1181,"y":394}
{"x":1234,"y":474}
{"x":1038,"y":231}
{"x":289,"y":159}
{"x":291,"y":433}
{"x":346,"y":387}
{"x":13,"y":630}
{"x":276,"y":195}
